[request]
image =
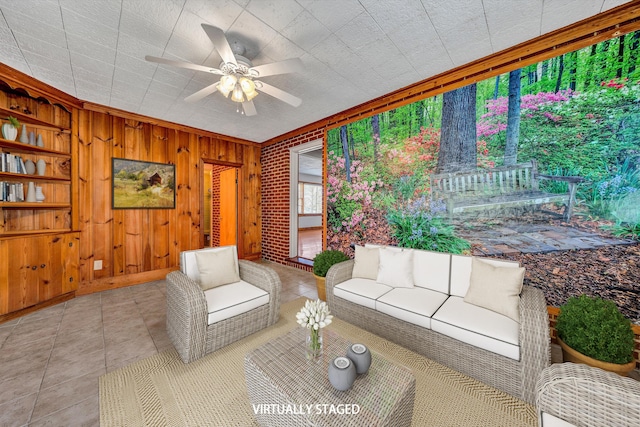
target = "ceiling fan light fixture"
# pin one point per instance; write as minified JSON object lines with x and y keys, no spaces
{"x":237,"y":95}
{"x":227,"y":84}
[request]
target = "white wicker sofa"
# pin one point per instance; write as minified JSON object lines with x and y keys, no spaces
{"x":425,"y":311}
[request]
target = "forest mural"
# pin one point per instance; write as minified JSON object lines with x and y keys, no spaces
{"x":576,"y":115}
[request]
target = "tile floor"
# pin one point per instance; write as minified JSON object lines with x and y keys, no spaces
{"x":50,"y":360}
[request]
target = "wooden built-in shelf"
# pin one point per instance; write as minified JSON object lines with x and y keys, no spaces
{"x":39,"y":178}
{"x":32,"y":121}
{"x":40,"y":232}
{"x":34,"y":205}
{"x":33,"y":149}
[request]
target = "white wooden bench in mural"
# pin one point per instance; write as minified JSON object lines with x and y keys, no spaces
{"x":504,"y":187}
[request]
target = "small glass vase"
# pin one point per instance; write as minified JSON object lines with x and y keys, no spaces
{"x":313,"y":344}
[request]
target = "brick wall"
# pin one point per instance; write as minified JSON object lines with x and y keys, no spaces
{"x":275,"y":195}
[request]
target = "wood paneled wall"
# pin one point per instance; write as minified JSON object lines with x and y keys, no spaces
{"x":137,"y":245}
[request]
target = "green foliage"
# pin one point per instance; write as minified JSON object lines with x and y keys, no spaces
{"x":325,"y":259}
{"x":596,"y":328}
{"x":14,"y":122}
{"x":418,"y":229}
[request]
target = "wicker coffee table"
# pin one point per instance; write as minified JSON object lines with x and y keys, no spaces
{"x":285,"y":389}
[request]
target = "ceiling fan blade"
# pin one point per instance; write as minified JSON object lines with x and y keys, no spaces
{"x":249,"y":108}
{"x":294,"y":65}
{"x":202,"y":93}
{"x":220,"y":43}
{"x":183,"y":64}
{"x":278,"y":93}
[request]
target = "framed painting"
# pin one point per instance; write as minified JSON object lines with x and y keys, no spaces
{"x":142,"y":185}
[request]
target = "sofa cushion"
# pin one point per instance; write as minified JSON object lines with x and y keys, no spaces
{"x":396,"y":268}
{"x":189,"y":265}
{"x":495,"y":288}
{"x":477,"y":326}
{"x":366,"y":261}
{"x":461,"y":272}
{"x":415,"y":305}
{"x":548,"y":420}
{"x":431,"y":270}
{"x":361,"y":291}
{"x":226,"y":301}
{"x":217,"y":268}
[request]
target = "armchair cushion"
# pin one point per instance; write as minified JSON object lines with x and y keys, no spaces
{"x":226,"y":301}
{"x":217,"y":268}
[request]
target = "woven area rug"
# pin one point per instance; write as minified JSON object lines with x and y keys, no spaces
{"x":162,"y":391}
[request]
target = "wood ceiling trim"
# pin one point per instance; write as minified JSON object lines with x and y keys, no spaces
{"x":90,"y":106}
{"x":610,"y":24}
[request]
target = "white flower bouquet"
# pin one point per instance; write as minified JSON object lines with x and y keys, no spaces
{"x":314,"y":316}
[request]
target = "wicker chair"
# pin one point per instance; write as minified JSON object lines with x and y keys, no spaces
{"x":190,"y":326}
{"x":570,"y":394}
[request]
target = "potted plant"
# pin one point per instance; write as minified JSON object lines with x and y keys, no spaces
{"x":592,"y":331}
{"x":10,"y":130}
{"x":321,"y":265}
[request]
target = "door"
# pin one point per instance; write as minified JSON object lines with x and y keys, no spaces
{"x":228,"y":207}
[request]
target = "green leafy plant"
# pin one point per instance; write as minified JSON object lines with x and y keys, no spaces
{"x":14,"y":122}
{"x":325,"y":259}
{"x":414,"y":227}
{"x":595,"y":327}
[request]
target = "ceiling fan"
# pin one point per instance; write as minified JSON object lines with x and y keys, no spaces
{"x":239,"y":78}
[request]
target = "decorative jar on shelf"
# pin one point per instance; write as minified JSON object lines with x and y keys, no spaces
{"x":32,"y":138}
{"x":39,"y":141}
{"x":39,"y":194}
{"x":41,"y":166}
{"x":30,"y":167}
{"x":31,"y":193}
{"x":24,"y":138}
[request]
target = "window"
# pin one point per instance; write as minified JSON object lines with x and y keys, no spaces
{"x":309,"y":198}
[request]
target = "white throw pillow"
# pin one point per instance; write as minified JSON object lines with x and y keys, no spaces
{"x":396,"y":268}
{"x":217,"y":268}
{"x":495,"y":288}
{"x":366,"y":261}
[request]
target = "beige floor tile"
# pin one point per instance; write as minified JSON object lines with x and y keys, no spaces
{"x":66,"y":394}
{"x":70,"y":366}
{"x":17,"y":412}
{"x":50,"y":360}
{"x":136,"y":348}
{"x":82,"y":414}
{"x":22,"y":385}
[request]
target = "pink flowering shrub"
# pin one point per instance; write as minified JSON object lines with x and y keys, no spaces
{"x":346,"y":200}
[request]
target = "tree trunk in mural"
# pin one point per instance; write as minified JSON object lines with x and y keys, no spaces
{"x":619,"y":73}
{"x":573,"y":69}
{"x":513,"y":118}
{"x":560,"y":71}
{"x":345,"y":151}
{"x":458,"y":132}
{"x":375,"y":124}
{"x":633,"y":52}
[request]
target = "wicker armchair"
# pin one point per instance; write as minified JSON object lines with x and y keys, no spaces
{"x":579,"y":395}
{"x":189,"y":322}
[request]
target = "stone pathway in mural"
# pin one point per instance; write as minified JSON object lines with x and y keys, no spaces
{"x":510,"y":237}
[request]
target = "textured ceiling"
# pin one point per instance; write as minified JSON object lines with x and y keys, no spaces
{"x":353,"y":50}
